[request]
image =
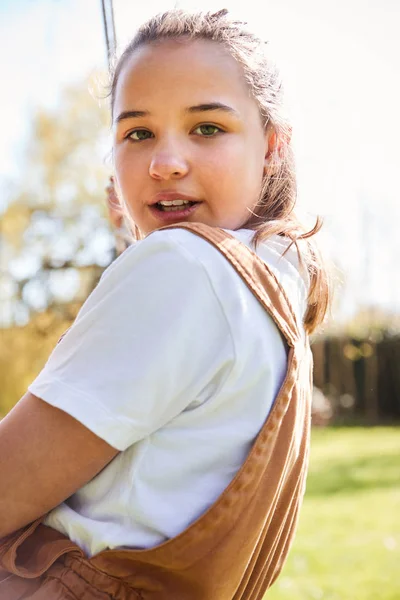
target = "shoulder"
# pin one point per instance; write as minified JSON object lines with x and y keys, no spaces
{"x":277,"y":252}
{"x":282,"y":258}
{"x":166,"y":258}
{"x":173,"y":247}
{"x":168,"y":268}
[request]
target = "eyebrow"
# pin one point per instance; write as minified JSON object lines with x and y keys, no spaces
{"x":210,"y":106}
{"x":131,"y":114}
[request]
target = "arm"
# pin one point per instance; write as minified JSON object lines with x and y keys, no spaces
{"x":149,"y":340}
{"x":45,"y":456}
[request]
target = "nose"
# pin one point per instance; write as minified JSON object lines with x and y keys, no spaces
{"x":168,"y":161}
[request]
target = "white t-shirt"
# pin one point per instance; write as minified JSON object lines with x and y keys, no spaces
{"x":174,"y":362}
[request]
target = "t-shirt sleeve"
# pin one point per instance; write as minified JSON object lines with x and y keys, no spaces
{"x":146,"y":344}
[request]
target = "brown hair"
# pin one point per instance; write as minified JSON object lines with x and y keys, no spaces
{"x":274,"y":212}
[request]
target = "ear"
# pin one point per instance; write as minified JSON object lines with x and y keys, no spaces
{"x":271,"y":146}
{"x":115,"y":211}
{"x":274,"y":146}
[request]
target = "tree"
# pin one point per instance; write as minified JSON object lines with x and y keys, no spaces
{"x":55,"y":236}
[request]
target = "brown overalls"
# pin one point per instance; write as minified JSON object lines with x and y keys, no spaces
{"x":237,"y":548}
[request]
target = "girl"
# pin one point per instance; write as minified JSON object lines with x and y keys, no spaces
{"x":162,"y":451}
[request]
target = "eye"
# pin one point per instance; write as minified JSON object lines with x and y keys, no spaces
{"x":207,"y":130}
{"x":138,"y":135}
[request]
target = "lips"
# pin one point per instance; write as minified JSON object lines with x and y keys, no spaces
{"x":172,"y":195}
{"x":173,"y":213}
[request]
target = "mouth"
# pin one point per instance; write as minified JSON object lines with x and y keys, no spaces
{"x":173,"y":206}
{"x":171,"y":213}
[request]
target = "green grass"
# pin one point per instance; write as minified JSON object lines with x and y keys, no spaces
{"x":347,"y":545}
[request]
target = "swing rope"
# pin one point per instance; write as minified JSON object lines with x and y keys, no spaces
{"x":109,"y":29}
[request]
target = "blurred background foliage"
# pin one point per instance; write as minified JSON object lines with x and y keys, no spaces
{"x":55,"y":235}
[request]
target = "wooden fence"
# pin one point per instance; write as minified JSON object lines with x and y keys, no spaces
{"x":361,"y":378}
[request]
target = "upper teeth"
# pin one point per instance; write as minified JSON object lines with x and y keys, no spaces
{"x":174,"y":202}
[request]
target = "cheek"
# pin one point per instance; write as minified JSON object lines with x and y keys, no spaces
{"x":239,"y":154}
{"x":220,"y":163}
{"x":241,"y":185}
{"x":236,"y":166}
{"x":130,"y":170}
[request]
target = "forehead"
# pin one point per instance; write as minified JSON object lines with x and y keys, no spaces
{"x":182,"y":71}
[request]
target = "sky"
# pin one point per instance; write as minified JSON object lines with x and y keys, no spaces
{"x":341,"y":63}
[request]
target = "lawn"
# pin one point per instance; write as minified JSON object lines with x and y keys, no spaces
{"x":348,"y":541}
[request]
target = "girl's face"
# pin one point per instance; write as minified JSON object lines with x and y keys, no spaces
{"x":189,"y":144}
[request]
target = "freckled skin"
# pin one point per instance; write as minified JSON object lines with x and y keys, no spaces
{"x":217,"y":157}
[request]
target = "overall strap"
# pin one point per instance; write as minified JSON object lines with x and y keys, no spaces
{"x":257,"y":275}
